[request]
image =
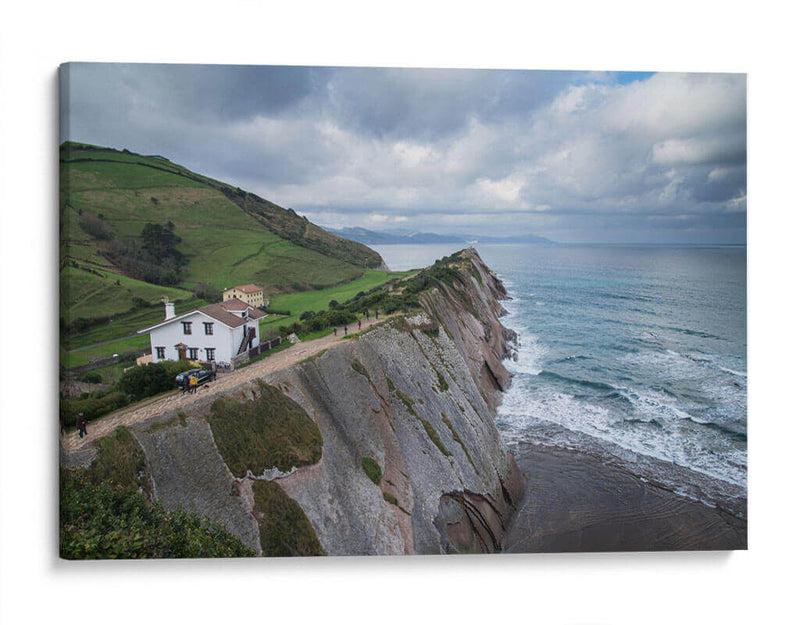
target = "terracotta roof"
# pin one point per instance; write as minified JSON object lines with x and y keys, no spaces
{"x":221,"y":312}
{"x":234,"y":304}
{"x":247,"y":288}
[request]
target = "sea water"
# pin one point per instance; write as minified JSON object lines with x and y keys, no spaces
{"x":635,"y":355}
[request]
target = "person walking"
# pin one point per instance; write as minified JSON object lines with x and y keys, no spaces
{"x":81,"y":422}
{"x":334,"y":330}
{"x":193,"y":384}
{"x":359,"y":324}
{"x":345,"y":329}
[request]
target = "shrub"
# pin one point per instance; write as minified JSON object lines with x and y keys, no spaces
{"x":208,"y":292}
{"x":91,"y":407}
{"x":104,"y":521}
{"x":95,"y":227}
{"x":92,"y":377}
{"x":151,"y":379}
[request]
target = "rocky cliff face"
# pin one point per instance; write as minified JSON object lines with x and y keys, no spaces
{"x":415,"y":396}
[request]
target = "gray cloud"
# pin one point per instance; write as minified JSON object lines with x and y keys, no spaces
{"x":571,"y":155}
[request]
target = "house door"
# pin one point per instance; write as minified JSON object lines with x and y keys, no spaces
{"x":181,"y":353}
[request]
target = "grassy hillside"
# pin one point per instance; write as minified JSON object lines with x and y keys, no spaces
{"x":225,"y":236}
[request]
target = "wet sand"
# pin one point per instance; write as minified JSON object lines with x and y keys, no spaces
{"x":574,"y":502}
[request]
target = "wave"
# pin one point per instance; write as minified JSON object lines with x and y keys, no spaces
{"x":602,"y":386}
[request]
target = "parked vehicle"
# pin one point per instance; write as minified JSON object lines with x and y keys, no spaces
{"x":202,"y":375}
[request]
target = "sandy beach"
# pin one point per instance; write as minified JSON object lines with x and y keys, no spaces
{"x":574,"y":502}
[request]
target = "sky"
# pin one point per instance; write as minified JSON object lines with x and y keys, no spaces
{"x":600,"y":157}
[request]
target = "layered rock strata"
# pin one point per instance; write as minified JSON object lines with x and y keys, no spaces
{"x":415,"y":396}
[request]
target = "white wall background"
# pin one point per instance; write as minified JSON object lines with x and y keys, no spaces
{"x":743,"y":587}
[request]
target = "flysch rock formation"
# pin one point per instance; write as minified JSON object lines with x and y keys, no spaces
{"x":417,"y":394}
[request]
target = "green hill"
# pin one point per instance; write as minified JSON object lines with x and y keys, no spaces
{"x":214,"y":234}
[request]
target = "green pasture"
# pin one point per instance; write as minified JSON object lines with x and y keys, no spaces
{"x":298,"y":303}
{"x":106,"y":294}
{"x":86,"y":355}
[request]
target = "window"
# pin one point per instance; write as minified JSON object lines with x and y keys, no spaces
{"x":209,"y":327}
{"x":160,"y":352}
{"x":187,"y":327}
{"x":209,"y":353}
{"x":193,"y":353}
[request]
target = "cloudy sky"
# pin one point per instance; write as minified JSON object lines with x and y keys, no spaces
{"x":572,"y":156}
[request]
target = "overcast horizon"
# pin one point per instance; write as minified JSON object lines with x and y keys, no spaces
{"x":570,"y":156}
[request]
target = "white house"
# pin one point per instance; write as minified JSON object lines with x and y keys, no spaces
{"x":213,"y":333}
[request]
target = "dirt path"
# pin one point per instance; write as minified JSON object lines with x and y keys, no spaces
{"x":176,"y":399}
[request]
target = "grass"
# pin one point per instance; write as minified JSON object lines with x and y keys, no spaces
{"x":435,"y":437}
{"x":284,"y":529}
{"x":228,"y":236}
{"x":443,"y":385}
{"x":372,"y":469}
{"x":271,"y":431}
{"x":121,"y":461}
{"x":298,"y":303}
{"x":86,"y":355}
{"x":106,"y":293}
{"x":458,"y":440}
{"x":359,"y":368}
{"x":390,"y":498}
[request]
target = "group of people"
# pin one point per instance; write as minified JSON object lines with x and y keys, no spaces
{"x":366,"y":315}
{"x":191,"y":385}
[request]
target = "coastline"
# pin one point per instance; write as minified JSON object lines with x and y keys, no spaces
{"x":576,"y":503}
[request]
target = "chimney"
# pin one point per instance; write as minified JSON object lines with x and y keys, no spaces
{"x":169,"y":309}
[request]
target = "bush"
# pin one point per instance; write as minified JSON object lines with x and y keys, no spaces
{"x":151,"y":379}
{"x":91,"y":407}
{"x":92,"y":377}
{"x":96,"y":227}
{"x":208,"y":292}
{"x":103,"y":521}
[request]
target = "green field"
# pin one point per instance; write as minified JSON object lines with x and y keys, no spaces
{"x":87,"y":354}
{"x":298,"y":303}
{"x":227,"y":237}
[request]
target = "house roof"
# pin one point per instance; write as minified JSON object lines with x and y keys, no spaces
{"x":224,"y":312}
{"x":247,"y":288}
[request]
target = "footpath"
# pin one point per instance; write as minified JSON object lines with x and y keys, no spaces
{"x":105,"y":425}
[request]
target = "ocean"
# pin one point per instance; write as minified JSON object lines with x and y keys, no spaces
{"x":633,"y":355}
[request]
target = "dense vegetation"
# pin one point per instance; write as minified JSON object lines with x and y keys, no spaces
{"x":134,"y":384}
{"x":152,"y":257}
{"x":271,"y":431}
{"x":283,"y":527}
{"x":106,"y":511}
{"x":102,"y":520}
{"x":154,"y":378}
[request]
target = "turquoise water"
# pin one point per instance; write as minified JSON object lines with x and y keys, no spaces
{"x":635,"y":355}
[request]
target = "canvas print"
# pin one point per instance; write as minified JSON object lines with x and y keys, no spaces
{"x":327,"y":311}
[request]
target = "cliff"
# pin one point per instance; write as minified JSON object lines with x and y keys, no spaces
{"x":388,"y":443}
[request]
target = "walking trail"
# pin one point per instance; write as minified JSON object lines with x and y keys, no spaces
{"x":105,"y":425}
